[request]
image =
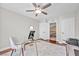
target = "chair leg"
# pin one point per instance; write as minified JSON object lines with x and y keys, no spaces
{"x":12,"y":52}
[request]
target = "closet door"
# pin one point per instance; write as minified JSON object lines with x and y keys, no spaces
{"x":44,"y":31}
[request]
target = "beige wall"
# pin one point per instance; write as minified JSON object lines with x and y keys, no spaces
{"x":13,"y":24}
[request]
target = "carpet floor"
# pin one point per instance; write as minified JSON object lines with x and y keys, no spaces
{"x":40,"y":48}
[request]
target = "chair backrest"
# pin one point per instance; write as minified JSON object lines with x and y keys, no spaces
{"x":31,"y":34}
{"x":12,"y":43}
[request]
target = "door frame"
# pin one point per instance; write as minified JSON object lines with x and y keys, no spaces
{"x":56,"y":27}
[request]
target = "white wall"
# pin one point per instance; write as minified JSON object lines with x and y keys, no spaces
{"x":44,"y":28}
{"x":44,"y":31}
{"x":67,"y":28}
{"x":0,"y":27}
{"x":77,"y":25}
{"x":13,"y":24}
{"x":58,"y":29}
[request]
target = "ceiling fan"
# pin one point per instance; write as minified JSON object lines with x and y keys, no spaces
{"x":39,"y":9}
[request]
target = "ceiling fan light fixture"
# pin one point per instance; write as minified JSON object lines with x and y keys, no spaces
{"x":38,"y":11}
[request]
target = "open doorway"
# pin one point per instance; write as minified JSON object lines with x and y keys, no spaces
{"x":53,"y":32}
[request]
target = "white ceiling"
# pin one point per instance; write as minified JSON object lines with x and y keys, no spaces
{"x":54,"y":11}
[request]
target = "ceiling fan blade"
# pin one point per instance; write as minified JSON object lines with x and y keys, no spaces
{"x":46,"y":6}
{"x":34,"y":4}
{"x":29,"y":10}
{"x":44,"y":12}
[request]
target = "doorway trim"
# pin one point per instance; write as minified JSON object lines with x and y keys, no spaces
{"x":56,"y":27}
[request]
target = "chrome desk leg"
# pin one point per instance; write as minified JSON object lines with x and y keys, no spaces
{"x":22,"y":51}
{"x":12,"y":52}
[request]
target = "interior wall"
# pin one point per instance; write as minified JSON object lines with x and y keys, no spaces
{"x":44,"y":30}
{"x":0,"y":27}
{"x":13,"y":24}
{"x":65,"y":28}
{"x":77,"y":25}
{"x":58,"y":30}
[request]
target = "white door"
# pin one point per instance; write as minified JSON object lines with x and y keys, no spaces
{"x":44,"y":30}
{"x":67,"y":28}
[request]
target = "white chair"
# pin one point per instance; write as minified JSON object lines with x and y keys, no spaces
{"x":13,"y":45}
